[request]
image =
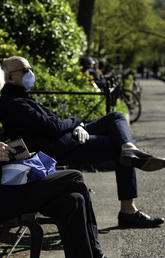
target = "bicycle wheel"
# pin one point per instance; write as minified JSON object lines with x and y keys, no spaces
{"x":133,"y":103}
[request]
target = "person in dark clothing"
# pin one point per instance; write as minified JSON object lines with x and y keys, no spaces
{"x":155,"y":69}
{"x":71,"y":142}
{"x":63,"y":196}
{"x":140,"y":69}
{"x":89,"y":69}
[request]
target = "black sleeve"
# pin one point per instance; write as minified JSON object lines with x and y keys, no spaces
{"x":101,"y":83}
{"x":25,"y":118}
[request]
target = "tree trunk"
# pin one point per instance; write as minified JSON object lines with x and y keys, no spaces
{"x":84,"y":18}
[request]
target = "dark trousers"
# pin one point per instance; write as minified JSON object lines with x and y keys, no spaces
{"x":107,"y":134}
{"x":64,"y":197}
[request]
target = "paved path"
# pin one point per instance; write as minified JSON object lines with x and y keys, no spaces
{"x":149,"y":133}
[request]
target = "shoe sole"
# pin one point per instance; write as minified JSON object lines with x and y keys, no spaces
{"x":122,"y":226}
{"x":149,"y":164}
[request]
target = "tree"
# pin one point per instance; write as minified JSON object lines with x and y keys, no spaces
{"x":84,"y":18}
{"x":122,"y":29}
{"x":126,"y":31}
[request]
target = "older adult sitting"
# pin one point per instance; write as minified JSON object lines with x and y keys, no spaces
{"x":71,"y":142}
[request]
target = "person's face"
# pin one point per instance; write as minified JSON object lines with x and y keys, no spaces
{"x":17,"y":69}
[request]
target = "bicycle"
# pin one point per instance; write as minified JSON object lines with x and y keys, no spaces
{"x":136,"y":88}
{"x":117,"y":92}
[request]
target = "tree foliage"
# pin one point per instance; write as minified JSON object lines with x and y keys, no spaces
{"x":121,"y":29}
{"x":159,"y":7}
{"x":48,"y":27}
{"x":126,"y":31}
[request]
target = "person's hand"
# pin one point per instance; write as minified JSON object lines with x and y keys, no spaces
{"x":81,"y":133}
{"x":4,"y":151}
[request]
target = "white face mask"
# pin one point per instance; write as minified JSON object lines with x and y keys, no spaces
{"x":28,"y":80}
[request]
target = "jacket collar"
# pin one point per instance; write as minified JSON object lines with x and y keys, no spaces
{"x":14,"y":90}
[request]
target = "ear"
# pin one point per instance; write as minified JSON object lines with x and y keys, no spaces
{"x":10,"y":78}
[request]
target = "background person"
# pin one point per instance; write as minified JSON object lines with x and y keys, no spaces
{"x":90,"y":66}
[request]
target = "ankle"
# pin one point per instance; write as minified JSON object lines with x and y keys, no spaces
{"x":128,"y":211}
{"x":128,"y":207}
{"x":128,"y":146}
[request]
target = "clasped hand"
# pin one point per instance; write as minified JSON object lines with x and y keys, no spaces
{"x":81,"y":133}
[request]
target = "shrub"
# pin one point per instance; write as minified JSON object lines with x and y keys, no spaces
{"x":48,"y":27}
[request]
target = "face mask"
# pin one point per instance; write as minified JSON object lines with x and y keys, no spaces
{"x":28,"y":80}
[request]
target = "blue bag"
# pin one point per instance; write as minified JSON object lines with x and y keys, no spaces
{"x":41,"y":165}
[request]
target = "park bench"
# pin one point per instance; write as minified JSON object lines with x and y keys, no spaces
{"x":33,"y":222}
{"x":24,"y":222}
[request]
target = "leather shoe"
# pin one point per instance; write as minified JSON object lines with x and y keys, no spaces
{"x":142,"y":160}
{"x":138,"y":220}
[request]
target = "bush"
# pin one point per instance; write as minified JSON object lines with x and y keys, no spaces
{"x":48,"y":27}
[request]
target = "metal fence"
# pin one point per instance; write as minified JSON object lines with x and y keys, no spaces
{"x":106,"y":93}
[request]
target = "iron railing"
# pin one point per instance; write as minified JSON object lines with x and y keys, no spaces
{"x":106,"y":93}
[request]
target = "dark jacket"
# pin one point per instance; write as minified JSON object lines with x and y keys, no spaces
{"x":22,"y":116}
{"x":100,"y":82}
